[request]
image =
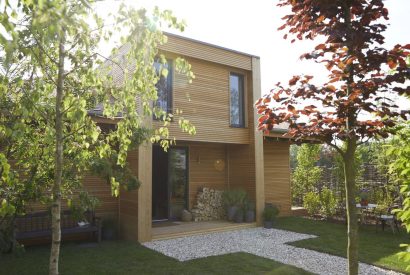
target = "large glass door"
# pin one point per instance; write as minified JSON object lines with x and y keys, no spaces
{"x":169,"y":183}
{"x":178,"y":181}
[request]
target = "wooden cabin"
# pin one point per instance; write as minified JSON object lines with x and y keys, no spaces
{"x":227,"y":151}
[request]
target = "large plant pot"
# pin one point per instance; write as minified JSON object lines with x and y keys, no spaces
{"x":108,"y":234}
{"x":109,"y":230}
{"x":250,"y":216}
{"x":268,"y":224}
{"x":232,"y":212}
{"x":239,"y":217}
{"x":186,"y":216}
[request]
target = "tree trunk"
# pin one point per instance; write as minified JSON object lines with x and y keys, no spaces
{"x":59,"y":158}
{"x":351,"y":215}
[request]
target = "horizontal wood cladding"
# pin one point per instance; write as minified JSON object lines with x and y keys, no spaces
{"x":241,"y":161}
{"x":206,"y":103}
{"x":128,"y":204}
{"x":189,"y":48}
{"x":202,"y":168}
{"x":95,"y":186}
{"x":220,"y":167}
{"x":102,"y":190}
{"x":277,"y":174}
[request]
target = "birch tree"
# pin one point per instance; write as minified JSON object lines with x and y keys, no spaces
{"x":53,"y":73}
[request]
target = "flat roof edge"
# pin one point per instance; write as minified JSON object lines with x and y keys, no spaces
{"x":210,"y":44}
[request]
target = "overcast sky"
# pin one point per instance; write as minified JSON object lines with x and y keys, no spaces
{"x":251,"y":27}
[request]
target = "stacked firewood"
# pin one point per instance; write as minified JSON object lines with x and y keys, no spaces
{"x":208,"y":205}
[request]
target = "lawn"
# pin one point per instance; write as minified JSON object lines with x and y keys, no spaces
{"x":377,"y":248}
{"x":131,"y":258}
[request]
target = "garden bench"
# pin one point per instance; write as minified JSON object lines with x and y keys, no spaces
{"x":38,"y":225}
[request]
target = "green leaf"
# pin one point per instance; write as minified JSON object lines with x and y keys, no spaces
{"x":164,"y":72}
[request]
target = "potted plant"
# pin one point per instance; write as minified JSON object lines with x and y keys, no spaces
{"x":364,"y":197}
{"x":229,"y":204}
{"x":186,"y":216}
{"x":269,"y":215}
{"x":239,"y":215}
{"x":109,"y":229}
{"x":249,"y":211}
{"x":233,"y":200}
{"x":81,"y":204}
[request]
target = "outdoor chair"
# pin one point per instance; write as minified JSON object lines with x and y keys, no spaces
{"x":388,"y":219}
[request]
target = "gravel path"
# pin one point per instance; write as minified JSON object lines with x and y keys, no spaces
{"x":267,"y":243}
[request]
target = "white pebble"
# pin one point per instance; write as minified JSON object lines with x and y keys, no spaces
{"x":267,"y":243}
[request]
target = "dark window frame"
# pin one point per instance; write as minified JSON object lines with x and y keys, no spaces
{"x":241,"y":107}
{"x":170,"y":90}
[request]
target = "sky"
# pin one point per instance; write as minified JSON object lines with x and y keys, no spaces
{"x":251,"y":27}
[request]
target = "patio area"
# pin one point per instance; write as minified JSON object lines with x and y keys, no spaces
{"x":175,"y":229}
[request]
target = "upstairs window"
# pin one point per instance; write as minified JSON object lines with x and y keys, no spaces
{"x":236,"y":85}
{"x":164,"y":87}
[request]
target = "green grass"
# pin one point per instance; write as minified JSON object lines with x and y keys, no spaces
{"x":377,"y":248}
{"x":131,"y":258}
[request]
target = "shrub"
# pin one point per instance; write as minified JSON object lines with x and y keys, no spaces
{"x":84,"y":202}
{"x":384,"y":196}
{"x":328,"y":203}
{"x":270,"y":213}
{"x":234,"y":198}
{"x":306,"y":176}
{"x":311,"y":202}
{"x":323,"y":203}
{"x":248,"y":205}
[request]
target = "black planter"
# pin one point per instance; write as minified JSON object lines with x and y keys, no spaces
{"x":108,"y":234}
{"x":250,"y":216}
{"x":268,"y":224}
{"x":231,"y":212}
{"x":109,"y":230}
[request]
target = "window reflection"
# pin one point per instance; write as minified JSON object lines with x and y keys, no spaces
{"x":178,"y":181}
{"x":164,"y":87}
{"x":237,"y":100}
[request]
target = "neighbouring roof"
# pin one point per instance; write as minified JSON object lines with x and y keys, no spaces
{"x":279,"y":131}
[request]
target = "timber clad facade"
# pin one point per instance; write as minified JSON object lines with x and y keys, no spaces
{"x":277,"y":175}
{"x":222,"y":155}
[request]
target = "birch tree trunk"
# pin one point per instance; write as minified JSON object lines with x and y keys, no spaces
{"x":59,"y":159}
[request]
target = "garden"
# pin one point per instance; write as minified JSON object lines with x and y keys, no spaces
{"x":318,"y":181}
{"x":382,"y":174}
{"x":58,"y":86}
